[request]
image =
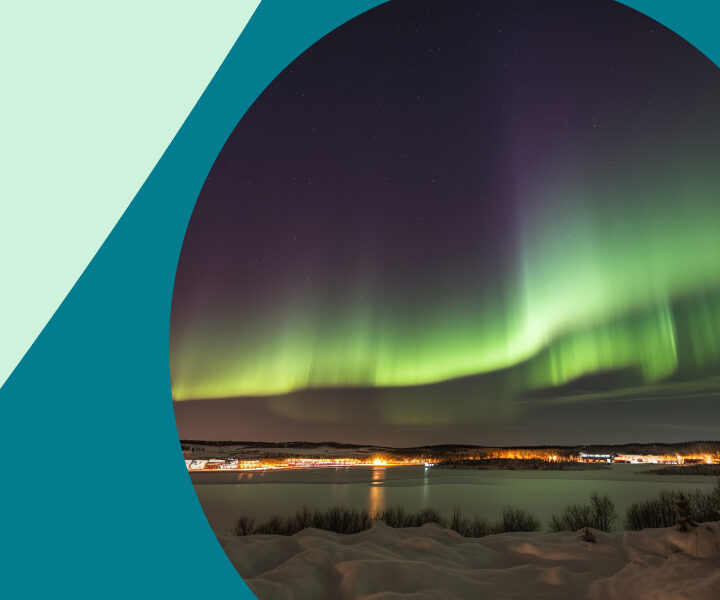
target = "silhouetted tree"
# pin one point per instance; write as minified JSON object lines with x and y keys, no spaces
{"x":683,"y":513}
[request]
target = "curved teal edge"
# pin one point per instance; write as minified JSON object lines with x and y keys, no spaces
{"x":97,"y":499}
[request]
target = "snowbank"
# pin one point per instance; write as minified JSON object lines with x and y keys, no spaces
{"x":432,"y":563}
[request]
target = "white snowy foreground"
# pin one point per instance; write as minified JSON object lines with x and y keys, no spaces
{"x":432,"y":563}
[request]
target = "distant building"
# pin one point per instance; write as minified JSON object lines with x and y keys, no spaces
{"x":589,"y":457}
{"x":195,"y":464}
{"x":650,"y":459}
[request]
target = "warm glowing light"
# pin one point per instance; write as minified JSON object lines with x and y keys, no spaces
{"x":521,"y":454}
{"x":552,"y":455}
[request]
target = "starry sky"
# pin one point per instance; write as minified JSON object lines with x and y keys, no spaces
{"x":468,"y":222}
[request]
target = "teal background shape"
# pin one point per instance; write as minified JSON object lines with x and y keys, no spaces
{"x":97,"y":499}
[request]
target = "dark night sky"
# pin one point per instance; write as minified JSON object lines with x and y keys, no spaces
{"x":471,"y":222}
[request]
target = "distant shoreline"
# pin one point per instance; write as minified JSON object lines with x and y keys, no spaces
{"x":519,"y":464}
{"x":700,"y":469}
{"x":287,"y":455}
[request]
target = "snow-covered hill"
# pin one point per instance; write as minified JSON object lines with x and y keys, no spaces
{"x":432,"y":563}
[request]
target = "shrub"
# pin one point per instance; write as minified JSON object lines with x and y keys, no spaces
{"x":393,"y":516}
{"x":599,"y":514}
{"x":516,"y":519}
{"x":603,"y":512}
{"x":245,"y":526}
{"x":430,"y":515}
{"x":478,"y":527}
{"x":706,"y":505}
{"x":303,"y":518}
{"x":344,"y":520}
{"x":653,"y":512}
{"x":319,"y":519}
{"x":458,"y":522}
{"x":469,"y":527}
{"x":273,"y":526}
{"x":574,"y":517}
{"x":396,"y":516}
{"x":660,"y":511}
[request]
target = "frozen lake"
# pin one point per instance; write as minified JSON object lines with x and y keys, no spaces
{"x":226,"y":496}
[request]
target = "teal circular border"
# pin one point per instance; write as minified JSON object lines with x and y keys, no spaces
{"x":97,"y":498}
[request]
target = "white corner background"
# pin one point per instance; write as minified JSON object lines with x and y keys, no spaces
{"x":92,"y":95}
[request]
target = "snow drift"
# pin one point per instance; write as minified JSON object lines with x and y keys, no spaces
{"x":432,"y":563}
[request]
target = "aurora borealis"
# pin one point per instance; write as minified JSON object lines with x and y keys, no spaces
{"x":444,"y":215}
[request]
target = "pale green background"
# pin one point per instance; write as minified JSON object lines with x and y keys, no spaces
{"x":92,"y":94}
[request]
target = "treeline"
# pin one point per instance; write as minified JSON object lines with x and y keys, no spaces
{"x":350,"y":520}
{"x":439,"y":450}
{"x":691,"y":447}
{"x":668,"y":508}
{"x":657,"y":448}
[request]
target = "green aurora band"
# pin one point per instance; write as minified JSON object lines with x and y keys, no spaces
{"x":596,"y":290}
{"x":603,"y":256}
